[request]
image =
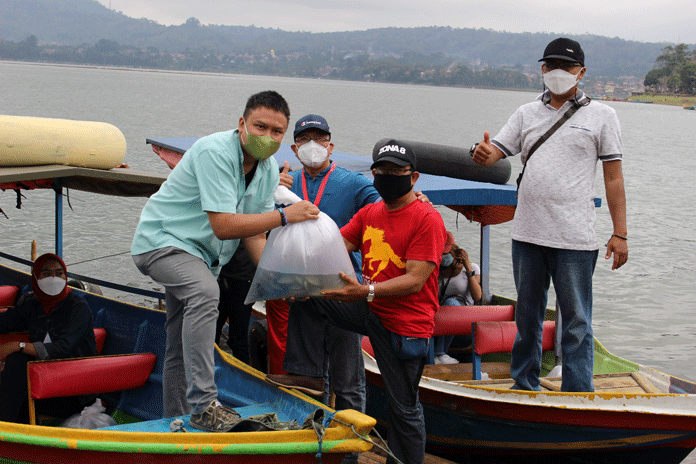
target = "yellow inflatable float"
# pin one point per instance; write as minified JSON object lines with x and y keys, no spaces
{"x":30,"y":141}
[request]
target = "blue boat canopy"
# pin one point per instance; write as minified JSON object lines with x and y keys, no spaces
{"x":480,"y":201}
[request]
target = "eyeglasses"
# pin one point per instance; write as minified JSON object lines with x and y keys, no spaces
{"x":382,"y":171}
{"x":560,"y":64}
{"x":302,"y":139}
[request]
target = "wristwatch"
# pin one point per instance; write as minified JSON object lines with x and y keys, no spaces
{"x":371,"y":293}
{"x":22,"y":345}
{"x":472,"y":149}
{"x":471,"y":274}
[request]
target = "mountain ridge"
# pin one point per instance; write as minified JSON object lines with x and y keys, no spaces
{"x":78,"y":22}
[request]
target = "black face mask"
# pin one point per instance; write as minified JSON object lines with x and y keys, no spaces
{"x":391,"y":187}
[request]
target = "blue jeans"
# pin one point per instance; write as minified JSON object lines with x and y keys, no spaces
{"x":571,"y":271}
{"x":317,"y":348}
{"x":406,"y":435}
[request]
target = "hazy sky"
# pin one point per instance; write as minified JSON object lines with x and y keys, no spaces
{"x":641,"y":20}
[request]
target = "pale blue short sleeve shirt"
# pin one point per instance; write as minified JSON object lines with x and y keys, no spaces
{"x":209,"y":178}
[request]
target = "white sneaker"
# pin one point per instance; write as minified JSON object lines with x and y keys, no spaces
{"x":445,"y":359}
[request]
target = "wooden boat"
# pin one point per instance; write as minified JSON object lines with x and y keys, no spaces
{"x":142,"y":436}
{"x":637,"y":414}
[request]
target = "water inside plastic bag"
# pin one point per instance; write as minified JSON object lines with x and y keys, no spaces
{"x":275,"y":285}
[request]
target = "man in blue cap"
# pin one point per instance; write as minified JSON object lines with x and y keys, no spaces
{"x":340,"y":194}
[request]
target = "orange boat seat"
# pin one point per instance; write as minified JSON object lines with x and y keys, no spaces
{"x":498,"y":337}
{"x":457,"y":320}
{"x":84,"y":376}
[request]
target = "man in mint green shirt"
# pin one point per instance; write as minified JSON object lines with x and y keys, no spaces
{"x":220,"y":192}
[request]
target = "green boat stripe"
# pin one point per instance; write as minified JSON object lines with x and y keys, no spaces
{"x":171,"y":448}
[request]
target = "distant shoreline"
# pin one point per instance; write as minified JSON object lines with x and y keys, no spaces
{"x":664,"y":99}
{"x":660,"y":99}
{"x":211,"y":73}
{"x":119,"y":68}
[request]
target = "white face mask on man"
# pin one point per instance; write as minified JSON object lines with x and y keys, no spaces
{"x":51,"y":285}
{"x":312,"y":154}
{"x":559,"y":82}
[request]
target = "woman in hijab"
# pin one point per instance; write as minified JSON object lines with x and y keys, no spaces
{"x":460,"y":285}
{"x":59,"y":325}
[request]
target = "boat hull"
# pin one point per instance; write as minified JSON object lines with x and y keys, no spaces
{"x":132,"y":328}
{"x":486,"y":424}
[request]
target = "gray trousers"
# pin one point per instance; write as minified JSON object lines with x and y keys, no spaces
{"x":192,"y":295}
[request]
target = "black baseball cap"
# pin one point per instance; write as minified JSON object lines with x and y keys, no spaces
{"x":395,"y":152}
{"x":564,"y":49}
{"x":311,"y":121}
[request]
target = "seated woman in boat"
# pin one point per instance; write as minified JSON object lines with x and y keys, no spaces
{"x":460,"y":285}
{"x":59,"y":325}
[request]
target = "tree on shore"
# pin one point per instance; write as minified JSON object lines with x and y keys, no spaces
{"x":675,"y":71}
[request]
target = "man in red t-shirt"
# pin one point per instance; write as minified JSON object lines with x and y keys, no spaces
{"x":401,"y":241}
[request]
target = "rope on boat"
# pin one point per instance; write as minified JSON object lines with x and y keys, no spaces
{"x":91,"y":280}
{"x":101,"y":257}
{"x":378,"y":445}
{"x":320,"y":429}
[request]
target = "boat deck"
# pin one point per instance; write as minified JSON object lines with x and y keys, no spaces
{"x":625,"y":382}
{"x":164,"y":425}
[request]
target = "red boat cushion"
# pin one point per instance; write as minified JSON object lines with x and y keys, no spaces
{"x":367,"y":346}
{"x":8,"y":295}
{"x":14,"y":337}
{"x":498,"y":337}
{"x":457,"y":320}
{"x":99,"y":374}
{"x":100,"y":338}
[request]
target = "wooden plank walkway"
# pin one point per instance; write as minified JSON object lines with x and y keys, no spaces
{"x":374,"y":458}
{"x":377,"y":456}
{"x":623,"y":382}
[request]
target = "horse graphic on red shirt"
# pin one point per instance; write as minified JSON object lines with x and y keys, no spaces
{"x":380,"y":253}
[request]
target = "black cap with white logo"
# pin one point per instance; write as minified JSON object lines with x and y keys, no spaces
{"x":564,"y":49}
{"x":395,"y":152}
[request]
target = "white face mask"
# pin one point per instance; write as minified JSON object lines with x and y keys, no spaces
{"x":52,"y":285}
{"x":312,"y":154}
{"x":559,"y":82}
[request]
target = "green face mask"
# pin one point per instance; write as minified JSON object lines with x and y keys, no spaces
{"x":260,"y":147}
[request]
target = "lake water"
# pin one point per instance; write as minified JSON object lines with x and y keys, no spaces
{"x":643,"y":312}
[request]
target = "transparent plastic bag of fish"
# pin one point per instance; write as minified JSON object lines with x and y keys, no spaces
{"x":300,"y":259}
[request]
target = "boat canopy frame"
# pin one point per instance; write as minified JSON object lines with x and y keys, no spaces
{"x":483,"y":202}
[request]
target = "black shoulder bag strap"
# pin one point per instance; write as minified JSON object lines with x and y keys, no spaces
{"x":543,"y":138}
